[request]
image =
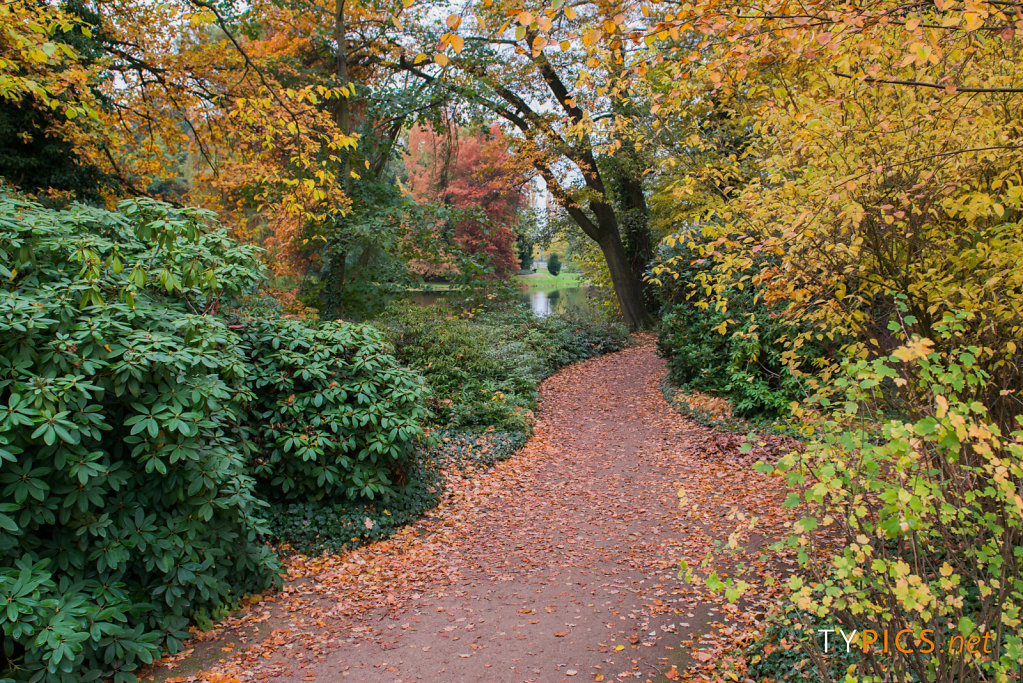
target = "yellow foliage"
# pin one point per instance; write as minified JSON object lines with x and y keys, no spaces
{"x":885,"y":159}
{"x":36,"y":63}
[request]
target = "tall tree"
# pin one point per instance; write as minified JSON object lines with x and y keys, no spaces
{"x":268,"y":112}
{"x":887,"y":189}
{"x":48,"y":75}
{"x":518,"y":62}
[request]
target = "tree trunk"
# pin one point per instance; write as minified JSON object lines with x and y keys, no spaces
{"x":628,"y":287}
{"x":634,"y":222}
{"x":603,"y":228}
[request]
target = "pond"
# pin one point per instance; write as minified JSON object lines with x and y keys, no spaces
{"x":557,"y":301}
{"x":543,"y":302}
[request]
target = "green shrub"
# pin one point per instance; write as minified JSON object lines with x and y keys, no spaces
{"x":471,"y":384}
{"x":334,"y":417}
{"x":728,"y":343}
{"x":778,"y":654}
{"x":126,"y":502}
{"x":734,"y":353}
{"x":330,"y":526}
{"x":926,"y":512}
{"x":554,"y":265}
{"x":484,"y":368}
{"x":468,"y":451}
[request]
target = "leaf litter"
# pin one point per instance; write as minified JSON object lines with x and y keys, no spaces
{"x":560,"y":562}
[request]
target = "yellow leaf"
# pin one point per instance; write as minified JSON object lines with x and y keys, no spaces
{"x":457,"y":43}
{"x":569,"y":13}
{"x":441,"y":59}
{"x":973,"y":21}
{"x":917,"y":348}
{"x":454,"y":21}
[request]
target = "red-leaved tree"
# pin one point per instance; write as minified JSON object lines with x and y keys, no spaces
{"x":468,"y":169}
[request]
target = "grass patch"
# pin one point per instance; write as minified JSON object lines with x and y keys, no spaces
{"x":544,"y":280}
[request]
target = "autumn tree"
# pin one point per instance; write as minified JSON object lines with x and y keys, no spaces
{"x":341,"y":44}
{"x":48,"y":78}
{"x":563,"y":101}
{"x":468,"y":169}
{"x":886,"y":146}
{"x":35,"y":152}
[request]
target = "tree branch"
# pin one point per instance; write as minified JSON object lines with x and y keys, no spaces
{"x":924,"y":84}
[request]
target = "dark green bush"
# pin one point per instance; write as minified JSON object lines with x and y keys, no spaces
{"x":330,"y":526}
{"x":136,"y":413}
{"x":126,"y":503}
{"x":471,"y":384}
{"x":779,"y":654}
{"x":334,"y":417}
{"x":728,"y":343}
{"x":554,"y":265}
{"x":468,"y":451}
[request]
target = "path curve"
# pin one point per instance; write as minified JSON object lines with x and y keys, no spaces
{"x":559,"y":564}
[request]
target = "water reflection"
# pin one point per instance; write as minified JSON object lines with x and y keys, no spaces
{"x":543,"y":302}
{"x":558,"y":301}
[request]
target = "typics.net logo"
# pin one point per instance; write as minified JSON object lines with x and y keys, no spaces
{"x":906,"y":641}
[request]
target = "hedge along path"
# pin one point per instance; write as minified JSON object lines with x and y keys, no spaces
{"x":558,"y":564}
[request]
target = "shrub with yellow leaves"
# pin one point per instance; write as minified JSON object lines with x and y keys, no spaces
{"x":928,"y":518}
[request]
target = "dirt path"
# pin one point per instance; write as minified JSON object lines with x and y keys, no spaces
{"x":560,"y":562}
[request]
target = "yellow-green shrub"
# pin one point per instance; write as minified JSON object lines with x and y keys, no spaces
{"x":927,"y":513}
